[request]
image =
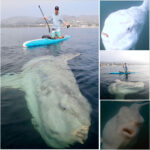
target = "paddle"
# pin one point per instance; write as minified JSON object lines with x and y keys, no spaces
{"x":49,"y":30}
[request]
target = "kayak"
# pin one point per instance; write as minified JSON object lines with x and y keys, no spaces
{"x":45,"y":41}
{"x":122,"y":72}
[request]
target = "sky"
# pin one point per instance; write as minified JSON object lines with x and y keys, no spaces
{"x":12,"y":8}
{"x":140,"y":57}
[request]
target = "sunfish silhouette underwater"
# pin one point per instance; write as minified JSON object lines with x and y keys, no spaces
{"x":121,"y":131}
{"x":122,"y":88}
{"x":122,"y":28}
{"x":61,"y":114}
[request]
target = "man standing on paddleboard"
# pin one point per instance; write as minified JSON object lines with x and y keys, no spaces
{"x":56,"y":19}
{"x":125,"y":67}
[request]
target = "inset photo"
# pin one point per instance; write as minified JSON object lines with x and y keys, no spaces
{"x":124,"y":75}
{"x":124,"y":25}
{"x":125,"y":125}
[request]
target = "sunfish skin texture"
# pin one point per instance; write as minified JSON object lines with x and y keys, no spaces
{"x":121,"y":131}
{"x":61,"y":114}
{"x":122,"y":88}
{"x":122,"y":28}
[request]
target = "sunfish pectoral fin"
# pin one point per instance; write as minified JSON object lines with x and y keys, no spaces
{"x":10,"y":81}
{"x":66,"y":57}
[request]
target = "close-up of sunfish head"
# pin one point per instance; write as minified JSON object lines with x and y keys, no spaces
{"x":61,"y":114}
{"x":122,"y":88}
{"x":122,"y":28}
{"x":121,"y":131}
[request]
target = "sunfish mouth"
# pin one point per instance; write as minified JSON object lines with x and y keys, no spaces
{"x":105,"y":34}
{"x":81,"y":134}
{"x":129,"y":133}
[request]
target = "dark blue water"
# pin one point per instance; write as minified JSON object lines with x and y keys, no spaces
{"x":111,"y":108}
{"x":107,"y":7}
{"x":17,"y":130}
{"x":141,"y":75}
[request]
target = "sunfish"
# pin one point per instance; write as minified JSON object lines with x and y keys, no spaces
{"x":61,"y":114}
{"x":121,"y":131}
{"x":122,"y":88}
{"x":122,"y":28}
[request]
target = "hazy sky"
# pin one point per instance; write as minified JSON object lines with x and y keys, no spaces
{"x":140,"y":57}
{"x":11,"y":8}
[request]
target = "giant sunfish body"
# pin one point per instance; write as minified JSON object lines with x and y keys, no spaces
{"x":122,"y":88}
{"x":121,"y":130}
{"x":122,"y":28}
{"x":61,"y":114}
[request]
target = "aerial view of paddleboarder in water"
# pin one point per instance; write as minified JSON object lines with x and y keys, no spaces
{"x":117,"y":82}
{"x":124,"y":25}
{"x":49,"y":86}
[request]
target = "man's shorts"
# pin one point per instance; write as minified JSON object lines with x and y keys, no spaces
{"x":56,"y":33}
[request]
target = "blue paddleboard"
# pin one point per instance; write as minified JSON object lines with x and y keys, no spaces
{"x":122,"y":72}
{"x":42,"y":42}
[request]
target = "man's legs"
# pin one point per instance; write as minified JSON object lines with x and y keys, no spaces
{"x":58,"y":34}
{"x":53,"y":34}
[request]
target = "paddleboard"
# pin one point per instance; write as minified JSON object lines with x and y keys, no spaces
{"x":42,"y":42}
{"x":122,"y":72}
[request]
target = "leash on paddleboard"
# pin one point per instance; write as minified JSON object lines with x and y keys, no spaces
{"x":49,"y":30}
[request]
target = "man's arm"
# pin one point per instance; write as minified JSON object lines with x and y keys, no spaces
{"x":65,"y":23}
{"x":46,"y":18}
{"x":68,"y":25}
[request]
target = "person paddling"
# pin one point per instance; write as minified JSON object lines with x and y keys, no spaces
{"x":56,"y":19}
{"x":125,"y":67}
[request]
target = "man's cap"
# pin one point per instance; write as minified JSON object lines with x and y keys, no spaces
{"x":56,"y":8}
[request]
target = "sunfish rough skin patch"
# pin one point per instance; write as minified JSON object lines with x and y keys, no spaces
{"x":122,"y":28}
{"x":61,"y":114}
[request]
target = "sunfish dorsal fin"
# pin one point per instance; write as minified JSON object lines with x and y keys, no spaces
{"x":63,"y":59}
{"x":117,"y":81}
{"x":66,"y":57}
{"x":145,"y":5}
{"x":138,"y":105}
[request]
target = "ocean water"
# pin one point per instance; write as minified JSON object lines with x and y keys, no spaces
{"x":141,"y":75}
{"x":107,"y":7}
{"x":16,"y":128}
{"x":111,"y":108}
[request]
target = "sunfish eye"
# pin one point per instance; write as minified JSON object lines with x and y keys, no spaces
{"x":62,"y":107}
{"x":129,"y":29}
